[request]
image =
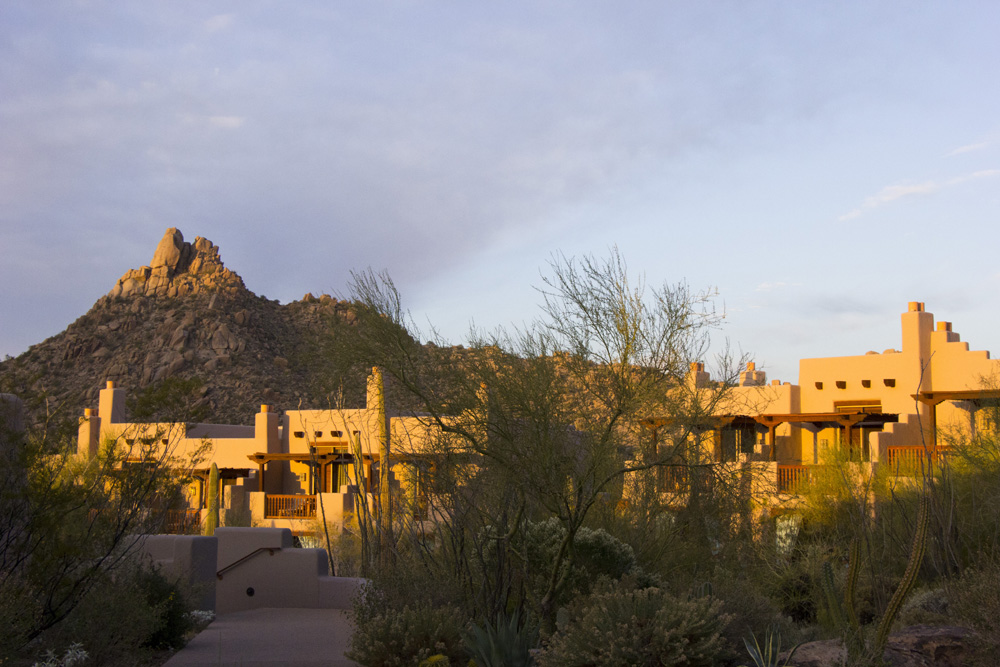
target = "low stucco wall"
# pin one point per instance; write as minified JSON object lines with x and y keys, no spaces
{"x":235,"y":543}
{"x":189,"y":558}
{"x":282,"y":576}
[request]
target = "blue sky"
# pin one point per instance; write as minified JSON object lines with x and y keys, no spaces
{"x":820,"y":164}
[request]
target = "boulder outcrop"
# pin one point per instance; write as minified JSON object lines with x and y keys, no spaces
{"x":187,"y":324}
{"x":179,"y":268}
{"x":915,"y":646}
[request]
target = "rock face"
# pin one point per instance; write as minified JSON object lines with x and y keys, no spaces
{"x":915,"y":646}
{"x":179,"y":268}
{"x":187,"y":317}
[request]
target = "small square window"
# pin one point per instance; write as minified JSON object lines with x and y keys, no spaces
{"x":889,"y":382}
{"x":819,"y":385}
{"x":866,"y":384}
{"x":841,"y":384}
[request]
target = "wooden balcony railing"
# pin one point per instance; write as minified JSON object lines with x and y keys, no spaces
{"x":182,"y":522}
{"x":289,"y":507}
{"x":910,"y":461}
{"x":672,"y":479}
{"x":793,"y":479}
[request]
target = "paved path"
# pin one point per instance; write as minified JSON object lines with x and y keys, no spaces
{"x":271,"y":637}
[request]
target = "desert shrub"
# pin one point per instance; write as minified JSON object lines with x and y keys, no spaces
{"x":128,"y":615}
{"x":620,"y":624}
{"x":796,"y":594}
{"x":974,"y":602}
{"x":169,"y":607}
{"x":72,"y":656}
{"x":344,"y":544}
{"x":751,"y":611}
{"x":928,"y":606}
{"x":19,"y":608}
{"x":597,"y":553}
{"x":390,"y":636}
{"x":506,"y":642}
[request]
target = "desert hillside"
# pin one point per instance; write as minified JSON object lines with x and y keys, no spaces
{"x":186,"y":332}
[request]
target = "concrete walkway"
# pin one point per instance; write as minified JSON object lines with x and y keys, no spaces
{"x":271,"y":637}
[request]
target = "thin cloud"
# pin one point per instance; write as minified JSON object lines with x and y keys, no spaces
{"x":968,"y":149}
{"x":226,"y":122}
{"x":891,"y":193}
{"x":985,"y":173}
{"x":218,"y":22}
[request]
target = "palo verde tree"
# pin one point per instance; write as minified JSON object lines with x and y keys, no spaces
{"x":548,"y":417}
{"x":69,"y":522}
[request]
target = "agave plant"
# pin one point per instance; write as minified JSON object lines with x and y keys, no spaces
{"x":504,"y":643}
{"x":768,"y":654}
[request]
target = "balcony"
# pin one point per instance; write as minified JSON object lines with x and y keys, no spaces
{"x":792,"y":479}
{"x":289,"y":507}
{"x":912,"y":461}
{"x":182,"y":522}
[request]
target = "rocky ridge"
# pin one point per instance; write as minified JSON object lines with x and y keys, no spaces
{"x":179,"y":268}
{"x":188,"y":317}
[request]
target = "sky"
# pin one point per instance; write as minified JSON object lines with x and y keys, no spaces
{"x":818,"y":165}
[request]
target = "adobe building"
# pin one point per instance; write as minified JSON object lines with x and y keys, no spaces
{"x":889,"y":408}
{"x":290,"y":469}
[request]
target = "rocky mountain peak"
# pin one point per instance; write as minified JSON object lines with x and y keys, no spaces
{"x":186,"y":323}
{"x":179,"y":268}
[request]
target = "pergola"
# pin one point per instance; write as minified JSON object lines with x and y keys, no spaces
{"x":847,"y":419}
{"x":312,"y":460}
{"x":975,"y":397}
{"x":817,"y":421}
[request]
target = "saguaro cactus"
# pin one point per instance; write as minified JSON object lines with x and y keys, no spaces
{"x":917,"y":551}
{"x":212,"y":520}
{"x":385,"y":500}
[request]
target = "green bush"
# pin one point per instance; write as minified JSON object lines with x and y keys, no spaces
{"x":750,"y":609}
{"x":597,"y":553}
{"x":125,"y":617}
{"x":621,"y":625}
{"x":170,"y":609}
{"x":385,"y":636}
{"x":928,"y":606}
{"x":974,"y":602}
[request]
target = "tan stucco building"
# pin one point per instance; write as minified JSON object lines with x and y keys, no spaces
{"x":883,"y":408}
{"x":876,"y":409}
{"x":287,"y":470}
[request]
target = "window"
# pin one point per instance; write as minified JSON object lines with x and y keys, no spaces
{"x":737,"y":438}
{"x":860,"y":405}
